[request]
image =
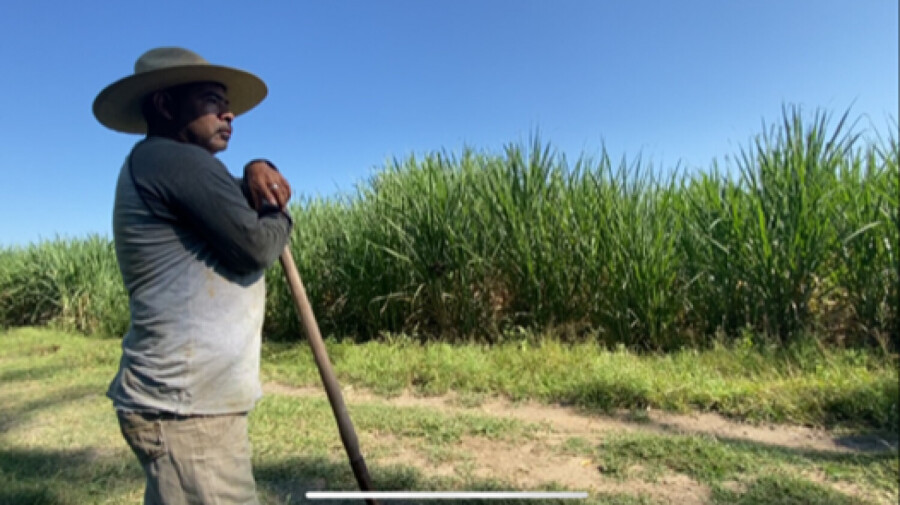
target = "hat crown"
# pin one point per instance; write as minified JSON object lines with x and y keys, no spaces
{"x":166,"y":57}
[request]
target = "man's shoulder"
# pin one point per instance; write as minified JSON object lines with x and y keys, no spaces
{"x":167,"y":149}
{"x":157,"y":157}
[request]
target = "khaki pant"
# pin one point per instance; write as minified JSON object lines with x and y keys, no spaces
{"x":192,"y":460}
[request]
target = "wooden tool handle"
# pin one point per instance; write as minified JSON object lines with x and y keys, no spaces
{"x":332,"y":388}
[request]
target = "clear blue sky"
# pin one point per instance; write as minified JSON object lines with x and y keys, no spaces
{"x":354,"y":83}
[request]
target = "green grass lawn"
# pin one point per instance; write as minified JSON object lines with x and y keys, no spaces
{"x":802,"y":384}
{"x":59,"y":441}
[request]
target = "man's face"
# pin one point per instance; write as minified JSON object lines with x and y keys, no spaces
{"x":204,"y":113}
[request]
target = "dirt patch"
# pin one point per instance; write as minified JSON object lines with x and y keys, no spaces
{"x":674,"y":489}
{"x":867,"y":493}
{"x":532,"y":465}
{"x":529,"y":465}
{"x":795,"y":437}
{"x":544,"y":459}
{"x":389,"y":450}
{"x":537,"y":465}
{"x":571,"y":422}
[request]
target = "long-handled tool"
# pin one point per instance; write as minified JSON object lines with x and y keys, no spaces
{"x":332,"y":388}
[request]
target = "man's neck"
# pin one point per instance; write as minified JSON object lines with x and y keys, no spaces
{"x":165,"y":133}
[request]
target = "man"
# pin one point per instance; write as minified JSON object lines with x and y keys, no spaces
{"x":192,"y":244}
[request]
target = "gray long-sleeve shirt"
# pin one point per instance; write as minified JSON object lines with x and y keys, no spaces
{"x":192,"y":253}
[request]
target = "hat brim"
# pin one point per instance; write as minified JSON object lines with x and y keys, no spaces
{"x":118,"y":106}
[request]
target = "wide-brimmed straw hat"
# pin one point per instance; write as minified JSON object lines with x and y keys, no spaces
{"x":118,"y":106}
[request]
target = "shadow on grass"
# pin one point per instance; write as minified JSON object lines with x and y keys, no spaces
{"x":873,"y":407}
{"x":11,"y":417}
{"x":289,"y":480}
{"x":869,"y":442}
{"x":782,"y":478}
{"x":35,"y":373}
{"x":286,"y":482}
{"x":716,"y":457}
{"x":40,"y":477}
{"x":864,"y":445}
{"x":771,"y":491}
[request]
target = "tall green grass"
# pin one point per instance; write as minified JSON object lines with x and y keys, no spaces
{"x":805,"y":239}
{"x":797,"y":236}
{"x":71,"y":283}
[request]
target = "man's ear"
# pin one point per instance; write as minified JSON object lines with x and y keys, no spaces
{"x":163,"y":104}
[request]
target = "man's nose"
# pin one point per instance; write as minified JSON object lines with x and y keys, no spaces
{"x":227,"y":116}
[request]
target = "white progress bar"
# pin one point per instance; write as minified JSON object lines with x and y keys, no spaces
{"x":434,"y":495}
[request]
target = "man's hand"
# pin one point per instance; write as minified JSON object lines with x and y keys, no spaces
{"x":266,"y":184}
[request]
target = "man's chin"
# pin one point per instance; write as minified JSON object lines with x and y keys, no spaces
{"x":217,"y":147}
